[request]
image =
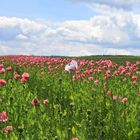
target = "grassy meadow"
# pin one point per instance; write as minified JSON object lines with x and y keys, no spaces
{"x":39,"y":100}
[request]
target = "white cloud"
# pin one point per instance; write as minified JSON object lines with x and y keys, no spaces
{"x":15,"y":26}
{"x":121,"y":4}
{"x":114,"y":51}
{"x":21,"y":37}
{"x":115,"y":33}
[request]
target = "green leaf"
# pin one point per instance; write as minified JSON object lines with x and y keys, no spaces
{"x":73,"y":130}
{"x":59,"y":132}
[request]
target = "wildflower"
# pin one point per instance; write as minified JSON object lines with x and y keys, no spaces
{"x":134,"y":78}
{"x":7,"y":129}
{"x":115,"y":97}
{"x":35,"y":102}
{"x":138,"y":63}
{"x":90,"y":78}
{"x":108,"y":74}
{"x":96,"y":82}
{"x":2,"y":71}
{"x":128,"y":63}
{"x":1,"y":66}
{"x":3,"y":117}
{"x":134,"y":82}
{"x":72,"y":66}
{"x":83,"y":76}
{"x":108,"y":92}
{"x":110,"y":65}
{"x":45,"y":101}
{"x":9,"y":68}
{"x":2,"y":82}
{"x":23,"y":80}
{"x":16,"y":76}
{"x":25,"y":75}
{"x":74,"y":77}
{"x":124,"y":100}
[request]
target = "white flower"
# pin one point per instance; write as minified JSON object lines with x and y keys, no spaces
{"x":71,"y":66}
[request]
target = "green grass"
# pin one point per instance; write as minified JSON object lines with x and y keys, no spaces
{"x":77,"y":108}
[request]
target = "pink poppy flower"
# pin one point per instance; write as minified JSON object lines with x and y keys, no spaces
{"x":115,"y":97}
{"x":75,"y":138}
{"x":23,"y":80}
{"x":16,"y":76}
{"x":90,"y":78}
{"x":35,"y":102}
{"x":108,"y":93}
{"x":9,"y":68}
{"x":7,"y":129}
{"x":3,"y":117}
{"x":73,"y":77}
{"x":83,"y":76}
{"x":2,"y":82}
{"x":1,"y":66}
{"x":2,"y":71}
{"x":128,"y":63}
{"x":107,"y":74}
{"x":45,"y":101}
{"x":96,"y":82}
{"x":25,"y":75}
{"x":138,"y":63}
{"x":134,"y":78}
{"x":134,"y":82}
{"x":124,"y":100}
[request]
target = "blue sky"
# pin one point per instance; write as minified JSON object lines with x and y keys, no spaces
{"x":46,"y":9}
{"x":70,"y":27}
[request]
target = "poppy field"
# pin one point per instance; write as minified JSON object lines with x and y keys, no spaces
{"x":42,"y":100}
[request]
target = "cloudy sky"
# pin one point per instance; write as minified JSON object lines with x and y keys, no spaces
{"x":70,"y":27}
